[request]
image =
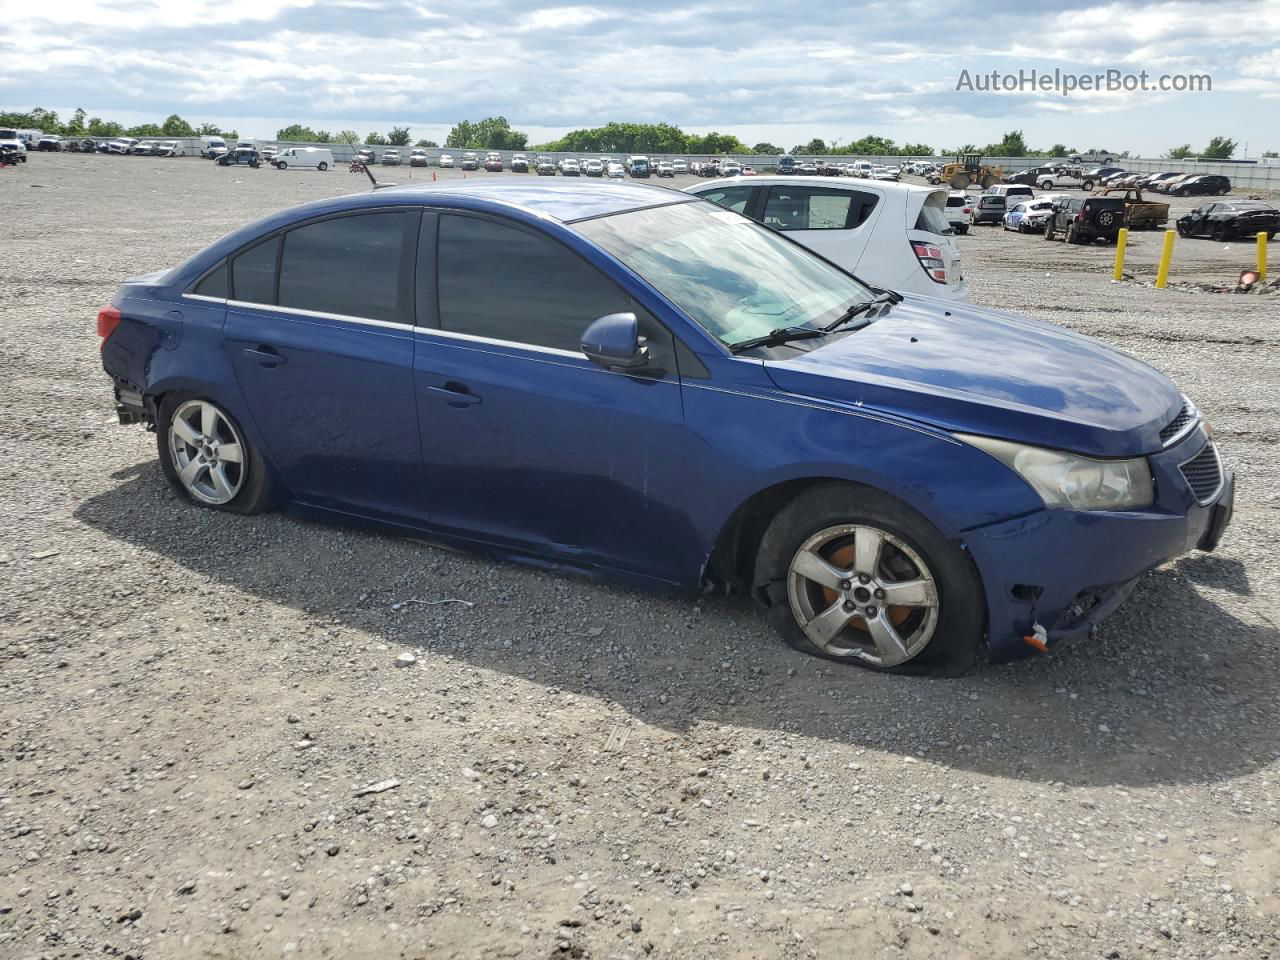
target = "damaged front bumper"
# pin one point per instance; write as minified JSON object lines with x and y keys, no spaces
{"x":1055,"y":574}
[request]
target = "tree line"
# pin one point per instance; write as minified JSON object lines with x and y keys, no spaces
{"x":81,"y":124}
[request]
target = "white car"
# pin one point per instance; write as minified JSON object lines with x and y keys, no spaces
{"x":304,"y":158}
{"x":958,"y":209}
{"x":862,"y":168}
{"x":679,"y":166}
{"x":885,"y":174}
{"x":592,"y":168}
{"x":9,"y":140}
{"x":123,"y":145}
{"x":859,"y":226}
{"x":169,"y":148}
{"x":569,"y":168}
{"x":446,"y":160}
{"x":1029,"y":216}
{"x":615,"y":171}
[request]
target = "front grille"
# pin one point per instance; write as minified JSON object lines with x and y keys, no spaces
{"x":1203,"y":474}
{"x":1176,"y":425}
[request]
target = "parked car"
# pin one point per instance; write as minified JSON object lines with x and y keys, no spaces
{"x":864,"y":169}
{"x":304,"y":158}
{"x":546,"y":167}
{"x":446,"y":161}
{"x":493,"y":162}
{"x":269,"y":152}
{"x":1099,"y":174}
{"x":1033,"y":176}
{"x":892,"y":235}
{"x":680,"y":166}
{"x":989,"y":208}
{"x":168,"y":148}
{"x":143,"y":148}
{"x":749,"y":172}
{"x":246,"y":156}
{"x":519,"y":163}
{"x":418,"y":158}
{"x":615,"y":171}
{"x":1029,"y":216}
{"x":1013,"y":193}
{"x":1201,"y":186}
{"x":807,"y":168}
{"x":786,"y":164}
{"x":1229,"y":219}
{"x":666,"y":168}
{"x":49,"y":142}
{"x":569,"y":168}
{"x":391,"y":157}
{"x":1086,"y":219}
{"x":470,"y":161}
{"x":213,"y":147}
{"x":593,"y":168}
{"x":638,"y":166}
{"x":366,"y":155}
{"x":125,"y":145}
{"x":925,"y":484}
{"x":957,"y":211}
{"x":10,"y":141}
{"x":730,"y":168}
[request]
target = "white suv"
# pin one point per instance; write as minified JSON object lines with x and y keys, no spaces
{"x":891,"y":235}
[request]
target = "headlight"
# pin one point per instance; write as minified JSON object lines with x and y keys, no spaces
{"x":1069,"y":480}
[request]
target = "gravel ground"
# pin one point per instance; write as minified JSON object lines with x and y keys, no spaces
{"x":208,"y":747}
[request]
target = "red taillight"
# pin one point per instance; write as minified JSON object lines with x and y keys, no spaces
{"x":930,"y":258}
{"x":968,"y":209}
{"x":1080,"y":217}
{"x":108,"y":320}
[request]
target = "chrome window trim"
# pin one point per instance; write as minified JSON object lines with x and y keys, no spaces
{"x":200,"y":296}
{"x":320,"y":315}
{"x":1222,"y":476}
{"x":496,"y":342}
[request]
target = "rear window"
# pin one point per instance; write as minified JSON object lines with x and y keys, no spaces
{"x":933,"y":217}
{"x":992,"y":201}
{"x":956,"y":201}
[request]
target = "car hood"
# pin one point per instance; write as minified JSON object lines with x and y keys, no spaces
{"x":974,"y":370}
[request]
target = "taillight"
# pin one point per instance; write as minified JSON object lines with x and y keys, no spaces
{"x":1080,"y":217}
{"x":108,"y":320}
{"x":930,"y":258}
{"x":968,"y":209}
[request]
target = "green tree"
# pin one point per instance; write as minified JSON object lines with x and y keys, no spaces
{"x":145,"y":130}
{"x":349,"y":137}
{"x":767,"y":148}
{"x":814,"y":146}
{"x":1270,"y":154}
{"x":76,"y":126}
{"x":491,"y":133}
{"x":1061,"y":150}
{"x":713,"y":142}
{"x":324,"y":136}
{"x":1179,"y":153}
{"x":376,"y":139}
{"x":1219,"y":148}
{"x":209,"y":130}
{"x":46,"y":120}
{"x":97,"y":127}
{"x":399,"y":137}
{"x":1013,"y":145}
{"x":175,"y":126}
{"x":426,"y":143}
{"x":915,"y":150}
{"x":871,"y":145}
{"x":296,"y":131}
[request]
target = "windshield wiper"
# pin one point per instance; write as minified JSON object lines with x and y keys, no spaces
{"x":884,"y":299}
{"x":776,"y":337}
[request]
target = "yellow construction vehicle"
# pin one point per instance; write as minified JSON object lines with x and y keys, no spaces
{"x":968,"y":170}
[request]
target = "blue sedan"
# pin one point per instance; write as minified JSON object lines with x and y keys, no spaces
{"x":628,"y":380}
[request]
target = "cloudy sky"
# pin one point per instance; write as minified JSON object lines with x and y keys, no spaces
{"x":780,"y":71}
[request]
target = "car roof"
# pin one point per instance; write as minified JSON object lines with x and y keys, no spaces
{"x":561,"y":200}
{"x":834,"y":183}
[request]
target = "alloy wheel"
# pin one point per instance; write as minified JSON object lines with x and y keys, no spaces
{"x":207,"y":452}
{"x":859,"y":591}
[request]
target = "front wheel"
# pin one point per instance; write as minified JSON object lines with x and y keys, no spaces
{"x":206,"y":457}
{"x":1048,"y":231}
{"x":1087,"y":185}
{"x":856,"y":576}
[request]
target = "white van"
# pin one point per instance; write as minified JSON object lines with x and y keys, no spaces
{"x":304,"y":158}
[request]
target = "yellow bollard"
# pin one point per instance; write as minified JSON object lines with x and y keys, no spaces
{"x":1262,"y":257}
{"x":1162,"y":275}
{"x":1122,"y":238}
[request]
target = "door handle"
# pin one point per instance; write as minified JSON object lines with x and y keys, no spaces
{"x":454,"y":394}
{"x":265,"y":355}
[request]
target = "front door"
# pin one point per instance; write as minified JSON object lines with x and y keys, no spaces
{"x":525,"y":441}
{"x":319,"y":330}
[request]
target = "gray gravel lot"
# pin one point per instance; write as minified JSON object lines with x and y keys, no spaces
{"x":192,"y":704}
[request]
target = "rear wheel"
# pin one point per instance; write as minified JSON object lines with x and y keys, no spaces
{"x":281,"y":165}
{"x":1048,"y":230}
{"x":1219,"y":231}
{"x":322,"y":166}
{"x":989,"y":181}
{"x":205,"y":455}
{"x":858,"y":577}
{"x":1071,"y":234}
{"x":1087,"y":185}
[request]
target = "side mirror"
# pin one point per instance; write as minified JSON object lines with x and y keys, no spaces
{"x":613,"y":341}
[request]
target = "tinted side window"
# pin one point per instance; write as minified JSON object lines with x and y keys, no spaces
{"x":355,"y":266}
{"x":215,"y":284}
{"x":508,"y":283}
{"x":253,"y":273}
{"x":735,"y":198}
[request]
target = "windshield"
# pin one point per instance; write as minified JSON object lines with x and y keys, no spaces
{"x":734,"y":277}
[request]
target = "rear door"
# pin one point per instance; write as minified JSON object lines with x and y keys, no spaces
{"x":836,"y":223}
{"x":319,"y":330}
